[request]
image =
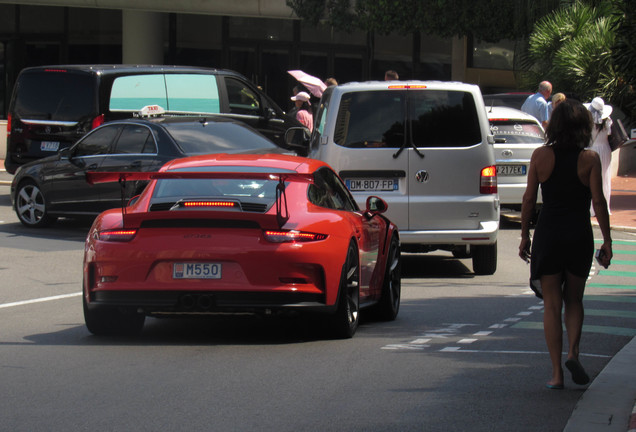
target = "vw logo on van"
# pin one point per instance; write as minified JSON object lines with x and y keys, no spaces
{"x":421,"y":176}
{"x":47,"y":129}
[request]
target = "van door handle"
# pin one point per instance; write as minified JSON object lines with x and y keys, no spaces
{"x":92,"y":167}
{"x":135,"y":164}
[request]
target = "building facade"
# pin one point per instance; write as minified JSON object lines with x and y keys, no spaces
{"x":261,"y":39}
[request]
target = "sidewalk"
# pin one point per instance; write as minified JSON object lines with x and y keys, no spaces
{"x":609,"y":403}
{"x":623,"y":203}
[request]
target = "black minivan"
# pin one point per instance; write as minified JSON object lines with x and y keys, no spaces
{"x":53,"y":106}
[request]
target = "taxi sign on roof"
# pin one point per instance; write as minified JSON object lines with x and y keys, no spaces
{"x":151,"y":111}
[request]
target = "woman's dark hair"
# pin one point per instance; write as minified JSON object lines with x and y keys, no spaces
{"x":570,"y":126}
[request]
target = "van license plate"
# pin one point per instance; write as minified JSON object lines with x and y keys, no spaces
{"x":372,"y":185}
{"x":50,"y":146}
{"x":511,"y":170}
{"x":196,"y":270}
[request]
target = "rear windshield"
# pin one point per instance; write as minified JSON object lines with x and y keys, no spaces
{"x":261,"y":194}
{"x":516,"y":131}
{"x":202,"y":137}
{"x":59,"y":95}
{"x":437,"y":118}
{"x":186,"y":93}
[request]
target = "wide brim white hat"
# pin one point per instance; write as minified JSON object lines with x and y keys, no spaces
{"x":599,"y":105}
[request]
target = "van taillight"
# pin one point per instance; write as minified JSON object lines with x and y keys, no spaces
{"x":8,"y":125}
{"x":97,"y":121}
{"x":488,"y":180}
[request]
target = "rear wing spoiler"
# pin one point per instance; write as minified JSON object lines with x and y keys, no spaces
{"x":282,"y":213}
{"x":94,"y":177}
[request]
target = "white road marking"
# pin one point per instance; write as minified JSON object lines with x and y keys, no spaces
{"x":39,"y":300}
{"x":421,"y":341}
{"x":482,"y":333}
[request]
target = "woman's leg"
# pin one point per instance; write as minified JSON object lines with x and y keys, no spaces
{"x":574,"y":314}
{"x":552,"y":326}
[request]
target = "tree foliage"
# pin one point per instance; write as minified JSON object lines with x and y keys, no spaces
{"x":575,"y":48}
{"x":624,"y":56}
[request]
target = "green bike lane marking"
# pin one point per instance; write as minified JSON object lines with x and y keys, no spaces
{"x":610,"y":286}
{"x":622,"y":262}
{"x":608,"y":298}
{"x":611,"y":330}
{"x":617,"y":273}
{"x":618,"y":242}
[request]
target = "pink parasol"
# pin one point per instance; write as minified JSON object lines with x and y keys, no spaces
{"x":313,"y":84}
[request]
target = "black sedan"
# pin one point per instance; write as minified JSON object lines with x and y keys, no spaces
{"x":56,"y":186}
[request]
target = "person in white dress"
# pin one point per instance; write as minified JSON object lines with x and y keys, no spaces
{"x":600,"y":143}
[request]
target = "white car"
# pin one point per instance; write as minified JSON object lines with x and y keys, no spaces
{"x":517,"y":134}
{"x":425,"y":147}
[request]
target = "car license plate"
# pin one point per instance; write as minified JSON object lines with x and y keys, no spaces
{"x":511,"y":170}
{"x":50,"y":145}
{"x":196,"y":270}
{"x":372,"y":185}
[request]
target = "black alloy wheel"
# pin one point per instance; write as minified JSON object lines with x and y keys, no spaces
{"x":347,"y":317}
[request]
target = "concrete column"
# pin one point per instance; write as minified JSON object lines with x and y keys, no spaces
{"x":142,"y":37}
{"x":458,"y":59}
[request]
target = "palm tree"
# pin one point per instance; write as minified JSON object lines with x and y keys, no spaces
{"x":572,"y":48}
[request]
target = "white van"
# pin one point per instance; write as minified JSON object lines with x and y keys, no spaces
{"x":425,"y":148}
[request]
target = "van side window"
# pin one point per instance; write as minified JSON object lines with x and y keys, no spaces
{"x":189,"y":93}
{"x":192,"y":93}
{"x":443,"y":118}
{"x":133,"y":92}
{"x":135,"y":139}
{"x":371,"y":119}
{"x":241,"y":98}
{"x":98,"y":142}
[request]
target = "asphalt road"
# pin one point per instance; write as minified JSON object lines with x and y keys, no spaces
{"x":466,"y":352}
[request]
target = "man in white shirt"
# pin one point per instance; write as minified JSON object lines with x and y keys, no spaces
{"x":537,"y":104}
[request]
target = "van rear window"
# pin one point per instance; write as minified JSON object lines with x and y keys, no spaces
{"x":182,"y":93}
{"x":437,"y":118}
{"x":58,"y":96}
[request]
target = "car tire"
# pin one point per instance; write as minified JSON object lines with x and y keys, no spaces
{"x":389,"y":304}
{"x":31,"y":207}
{"x":484,"y":259}
{"x":345,"y":321}
{"x":112,"y":321}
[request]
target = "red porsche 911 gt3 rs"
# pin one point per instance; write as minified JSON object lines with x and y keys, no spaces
{"x":239,"y":233}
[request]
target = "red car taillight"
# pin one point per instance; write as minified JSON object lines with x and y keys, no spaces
{"x":292,"y":236}
{"x":97,"y":121}
{"x":117,"y":235}
{"x":488,"y":180}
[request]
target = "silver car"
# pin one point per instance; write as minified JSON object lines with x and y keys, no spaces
{"x":426,"y":149}
{"x":517,"y":135}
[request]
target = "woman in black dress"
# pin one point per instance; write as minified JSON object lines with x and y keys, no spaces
{"x":563,"y":246}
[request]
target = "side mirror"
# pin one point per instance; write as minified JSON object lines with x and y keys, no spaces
{"x":297,"y":137}
{"x":269,"y":113}
{"x":64,"y":154}
{"x":376,"y":205}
